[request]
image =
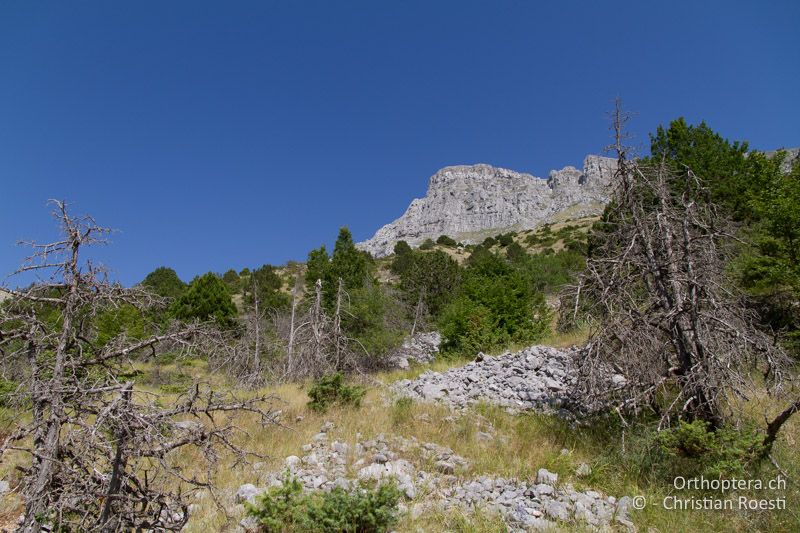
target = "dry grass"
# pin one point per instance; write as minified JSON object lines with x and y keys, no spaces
{"x":522,"y":445}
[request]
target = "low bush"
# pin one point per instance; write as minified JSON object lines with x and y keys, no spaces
{"x":694,"y":449}
{"x":358,"y":510}
{"x":428,"y":244}
{"x":446,"y":240}
{"x":504,"y":239}
{"x":332,"y":390}
{"x":7,"y":390}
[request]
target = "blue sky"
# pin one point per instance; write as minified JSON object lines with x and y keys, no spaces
{"x":231,"y":134}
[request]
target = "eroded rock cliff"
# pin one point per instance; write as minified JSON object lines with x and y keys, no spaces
{"x":471,"y":201}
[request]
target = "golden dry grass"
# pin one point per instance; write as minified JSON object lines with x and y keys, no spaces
{"x":523,"y":444}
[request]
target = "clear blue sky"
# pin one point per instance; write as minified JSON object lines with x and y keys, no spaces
{"x":231,"y":134}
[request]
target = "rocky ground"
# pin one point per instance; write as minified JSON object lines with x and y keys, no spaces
{"x":432,"y":476}
{"x":420,"y":349}
{"x":538,"y":377}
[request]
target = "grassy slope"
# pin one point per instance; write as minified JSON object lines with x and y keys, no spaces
{"x":523,"y":445}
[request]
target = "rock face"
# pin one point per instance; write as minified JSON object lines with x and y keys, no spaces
{"x":464,"y":201}
{"x":792,"y":154}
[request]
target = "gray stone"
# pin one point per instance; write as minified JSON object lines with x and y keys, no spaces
{"x":342,"y":483}
{"x":247,"y":493}
{"x":433,"y":391}
{"x":189,"y":426}
{"x":249,"y":524}
{"x":622,"y":511}
{"x":421,"y":348}
{"x":4,"y":486}
{"x":380,"y":458}
{"x":484,"y":437}
{"x":445,"y":467}
{"x":373,"y":471}
{"x":292,"y":462}
{"x":546,"y":477}
{"x":340,"y":447}
{"x":556,"y":510}
{"x":583,"y":470}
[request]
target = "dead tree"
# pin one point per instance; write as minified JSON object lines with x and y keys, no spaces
{"x":665,"y":314}
{"x":315,"y":342}
{"x":101,"y":452}
{"x":243,"y":357}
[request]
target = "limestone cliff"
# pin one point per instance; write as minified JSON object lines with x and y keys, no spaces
{"x":469,"y":202}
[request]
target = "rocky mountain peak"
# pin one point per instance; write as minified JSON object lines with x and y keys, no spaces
{"x":468,"y":202}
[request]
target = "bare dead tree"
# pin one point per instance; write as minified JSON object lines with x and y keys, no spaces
{"x":101,"y":452}
{"x":296,"y":295}
{"x":420,"y":311}
{"x":314,"y":342}
{"x":665,"y":315}
{"x":244,"y":356}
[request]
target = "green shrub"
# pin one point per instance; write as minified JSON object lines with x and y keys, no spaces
{"x":515,"y":252}
{"x":165,"y":282}
{"x":359,"y":510}
{"x":434,"y":277}
{"x":549,"y":271}
{"x":504,"y":239}
{"x":7,"y":390}
{"x":403,"y":258}
{"x":206,"y":298}
{"x":497,"y":304}
{"x":694,"y":449}
{"x":330,"y":390}
{"x":428,"y":244}
{"x":446,"y":240}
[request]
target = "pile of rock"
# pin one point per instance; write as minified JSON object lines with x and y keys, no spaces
{"x":434,"y":477}
{"x":420,"y":348}
{"x":538,"y":377}
{"x":536,"y":505}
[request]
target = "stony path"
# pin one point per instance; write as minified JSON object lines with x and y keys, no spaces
{"x":434,"y":477}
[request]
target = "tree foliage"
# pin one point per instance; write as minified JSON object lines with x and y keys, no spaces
{"x":432,"y":278}
{"x":266,"y":284}
{"x":495,"y":305}
{"x":164,"y":282}
{"x":206,"y":298}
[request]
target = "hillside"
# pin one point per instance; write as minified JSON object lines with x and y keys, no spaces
{"x":558,"y":377}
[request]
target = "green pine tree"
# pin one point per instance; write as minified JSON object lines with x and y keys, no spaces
{"x":206,"y":298}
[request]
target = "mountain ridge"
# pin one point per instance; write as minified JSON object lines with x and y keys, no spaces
{"x":464,"y":200}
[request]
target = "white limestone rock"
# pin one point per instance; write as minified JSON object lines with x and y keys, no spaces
{"x":464,"y":200}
